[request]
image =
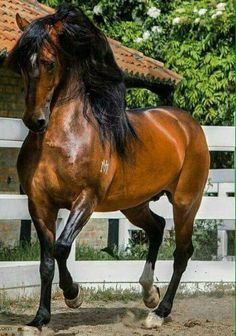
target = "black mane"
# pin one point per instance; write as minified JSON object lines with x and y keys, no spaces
{"x":84,"y":50}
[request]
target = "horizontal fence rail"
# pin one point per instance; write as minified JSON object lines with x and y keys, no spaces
{"x":218,"y":204}
{"x":13,"y":133}
{"x":119,"y":271}
{"x":15,"y":207}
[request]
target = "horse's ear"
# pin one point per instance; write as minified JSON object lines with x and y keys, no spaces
{"x":21,"y":22}
{"x":55,"y":29}
{"x":59,"y":25}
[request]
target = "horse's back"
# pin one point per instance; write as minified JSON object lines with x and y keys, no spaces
{"x":170,"y":112}
{"x":172,"y":119}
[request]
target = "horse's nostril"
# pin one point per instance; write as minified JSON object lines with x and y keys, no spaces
{"x":41,"y":123}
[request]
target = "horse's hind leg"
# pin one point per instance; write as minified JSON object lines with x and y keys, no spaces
{"x":186,"y":199}
{"x":184,"y":215}
{"x":183,"y":218}
{"x":153,"y":225}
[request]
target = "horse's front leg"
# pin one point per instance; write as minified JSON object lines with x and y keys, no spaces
{"x":44,"y":217}
{"x":80,"y":213}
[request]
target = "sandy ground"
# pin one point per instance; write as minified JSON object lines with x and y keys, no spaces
{"x":205,"y":316}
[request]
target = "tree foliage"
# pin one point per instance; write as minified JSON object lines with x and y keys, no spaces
{"x":194,"y":38}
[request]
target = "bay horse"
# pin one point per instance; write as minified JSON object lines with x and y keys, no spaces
{"x":86,"y":153}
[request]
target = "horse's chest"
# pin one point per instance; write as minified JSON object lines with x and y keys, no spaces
{"x":62,"y":170}
{"x":51,"y":169}
{"x":69,"y":150}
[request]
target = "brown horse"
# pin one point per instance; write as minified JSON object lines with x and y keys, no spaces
{"x":84,"y":152}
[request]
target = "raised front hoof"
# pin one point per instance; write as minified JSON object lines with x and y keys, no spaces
{"x":152,"y":299}
{"x":77,"y":301}
{"x":153,"y":321}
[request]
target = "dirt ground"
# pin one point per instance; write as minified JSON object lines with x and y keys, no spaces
{"x":203,"y":315}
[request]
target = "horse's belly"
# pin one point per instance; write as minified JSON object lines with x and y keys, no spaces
{"x":120,"y":203}
{"x":139,"y":187}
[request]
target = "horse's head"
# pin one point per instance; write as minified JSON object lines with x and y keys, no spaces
{"x":35,"y":56}
{"x":63,"y":56}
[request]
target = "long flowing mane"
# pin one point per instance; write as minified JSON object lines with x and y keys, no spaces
{"x":86,"y":54}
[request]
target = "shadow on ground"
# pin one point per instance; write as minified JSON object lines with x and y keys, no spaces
{"x":81,"y":317}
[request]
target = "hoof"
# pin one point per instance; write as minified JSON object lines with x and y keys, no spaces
{"x":153,"y":321}
{"x":41,"y":319}
{"x":152,"y":298}
{"x":76,"y":302}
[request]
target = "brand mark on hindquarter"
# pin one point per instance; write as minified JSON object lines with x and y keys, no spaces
{"x":104,"y":167}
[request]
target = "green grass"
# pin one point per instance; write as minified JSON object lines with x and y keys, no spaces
{"x":204,"y":241}
{"x":89,"y":253}
{"x":32,"y":253}
{"x":19,"y":304}
{"x":134,"y":251}
{"x":20,"y":253}
{"x":110,"y":294}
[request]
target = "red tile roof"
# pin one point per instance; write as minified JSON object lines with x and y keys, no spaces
{"x":131,"y":61}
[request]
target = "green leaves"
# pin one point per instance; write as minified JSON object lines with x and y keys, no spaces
{"x":141,"y":98}
{"x":203,"y":55}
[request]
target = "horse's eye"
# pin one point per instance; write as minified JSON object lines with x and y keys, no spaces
{"x":50,"y":66}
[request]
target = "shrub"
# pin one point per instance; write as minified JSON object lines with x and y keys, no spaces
{"x":200,"y":48}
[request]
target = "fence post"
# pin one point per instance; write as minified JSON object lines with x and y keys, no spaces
{"x":222,"y":238}
{"x":123,"y":234}
{"x":113,"y":233}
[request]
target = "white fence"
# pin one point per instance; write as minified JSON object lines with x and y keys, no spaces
{"x":15,"y":275}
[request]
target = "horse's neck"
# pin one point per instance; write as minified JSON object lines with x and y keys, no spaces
{"x":69,"y":115}
{"x":67,"y":118}
{"x":67,"y":122}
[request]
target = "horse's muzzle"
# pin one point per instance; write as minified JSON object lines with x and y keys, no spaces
{"x":37,"y":125}
{"x":40,"y":124}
